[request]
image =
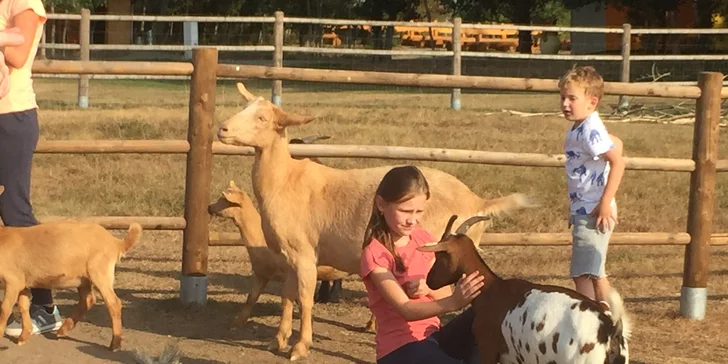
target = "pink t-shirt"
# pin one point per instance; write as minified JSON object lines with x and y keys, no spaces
{"x":393,"y":331}
{"x":21,"y":96}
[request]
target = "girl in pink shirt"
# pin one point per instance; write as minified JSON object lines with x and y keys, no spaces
{"x":394,"y":273}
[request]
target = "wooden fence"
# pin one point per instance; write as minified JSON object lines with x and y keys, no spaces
{"x":456,"y":40}
{"x":199,"y":148}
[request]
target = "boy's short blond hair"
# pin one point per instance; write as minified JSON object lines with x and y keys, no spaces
{"x":586,"y":77}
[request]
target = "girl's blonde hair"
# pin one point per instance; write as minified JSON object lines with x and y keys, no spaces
{"x":398,"y":185}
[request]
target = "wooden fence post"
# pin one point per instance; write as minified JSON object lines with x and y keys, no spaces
{"x":84,"y":41}
{"x":623,"y":105}
{"x":193,"y":283}
{"x":278,"y":32}
{"x":693,"y":295}
{"x":456,"y":61}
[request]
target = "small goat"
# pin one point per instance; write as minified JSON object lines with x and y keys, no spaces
{"x":519,"y":322}
{"x":83,"y":255}
{"x":327,"y":292}
{"x":267,"y":265}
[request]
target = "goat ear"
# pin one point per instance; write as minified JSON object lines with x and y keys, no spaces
{"x":246,"y":94}
{"x":233,"y":197}
{"x":289,"y":119}
{"x":2,"y":189}
{"x":432,"y":247}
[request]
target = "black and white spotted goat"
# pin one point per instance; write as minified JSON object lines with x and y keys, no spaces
{"x":519,"y":322}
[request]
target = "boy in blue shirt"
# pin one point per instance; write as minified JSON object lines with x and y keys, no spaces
{"x":594,"y":170}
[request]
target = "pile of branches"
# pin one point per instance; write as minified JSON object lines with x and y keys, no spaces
{"x":629,"y":110}
{"x":681,"y":113}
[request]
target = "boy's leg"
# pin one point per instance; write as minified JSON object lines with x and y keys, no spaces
{"x":585,"y":285}
{"x":18,"y":139}
{"x":588,"y":258}
{"x":601,"y":288}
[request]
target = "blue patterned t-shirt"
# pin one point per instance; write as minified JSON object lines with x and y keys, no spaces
{"x":586,"y":171}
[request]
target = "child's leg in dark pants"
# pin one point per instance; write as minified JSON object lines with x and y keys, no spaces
{"x":420,"y":352}
{"x":456,"y":338}
{"x":18,"y":139}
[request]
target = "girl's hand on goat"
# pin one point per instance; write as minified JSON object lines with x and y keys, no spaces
{"x":416,"y":288}
{"x":467,"y":288}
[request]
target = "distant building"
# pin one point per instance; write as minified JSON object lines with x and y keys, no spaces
{"x":600,"y":15}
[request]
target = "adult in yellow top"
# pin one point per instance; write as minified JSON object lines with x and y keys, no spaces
{"x":18,"y":138}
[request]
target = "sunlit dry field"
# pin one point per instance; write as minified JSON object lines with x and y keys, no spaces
{"x":649,"y":277}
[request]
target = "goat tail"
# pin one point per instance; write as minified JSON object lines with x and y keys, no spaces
{"x":132,"y":237}
{"x":619,"y":313}
{"x":506,"y":204}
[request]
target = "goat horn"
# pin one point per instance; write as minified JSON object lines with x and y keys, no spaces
{"x":469,"y":222}
{"x":449,"y":227}
{"x":244,"y":91}
{"x":313,"y":138}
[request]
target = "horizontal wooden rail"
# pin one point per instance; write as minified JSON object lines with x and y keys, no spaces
{"x":113,"y":67}
{"x":156,"y":47}
{"x":368,"y":52}
{"x":352,"y":151}
{"x":453,"y":155}
{"x":444,"y":81}
{"x":534,"y":239}
{"x":122,"y":222}
{"x":721,"y":165}
{"x":112,"y":146}
{"x":560,"y":57}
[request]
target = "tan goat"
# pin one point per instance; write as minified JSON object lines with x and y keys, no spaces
{"x":83,"y":255}
{"x":267,"y":265}
{"x":317,"y":214}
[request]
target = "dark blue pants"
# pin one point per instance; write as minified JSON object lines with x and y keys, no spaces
{"x":18,"y":139}
{"x":452,"y":344}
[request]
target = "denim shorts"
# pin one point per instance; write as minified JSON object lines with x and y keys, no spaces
{"x":588,"y":248}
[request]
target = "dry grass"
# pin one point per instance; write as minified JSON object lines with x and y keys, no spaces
{"x":649,"y":277}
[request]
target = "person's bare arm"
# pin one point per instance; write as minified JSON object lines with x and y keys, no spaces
{"x":384,"y":281}
{"x":27,"y":23}
{"x":603,"y":211}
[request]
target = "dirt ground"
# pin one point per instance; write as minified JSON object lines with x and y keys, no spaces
{"x":147,"y":283}
{"x":649,"y":277}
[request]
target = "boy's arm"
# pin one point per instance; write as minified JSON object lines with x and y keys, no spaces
{"x":617,"y":165}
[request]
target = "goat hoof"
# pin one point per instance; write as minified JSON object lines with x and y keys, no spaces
{"x":67,"y":326}
{"x":115,"y":344}
{"x":299,"y":351}
{"x":238,"y":323}
{"x":275,"y":345}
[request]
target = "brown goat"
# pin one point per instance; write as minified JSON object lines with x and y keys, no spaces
{"x":519,"y":322}
{"x":82,"y":255}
